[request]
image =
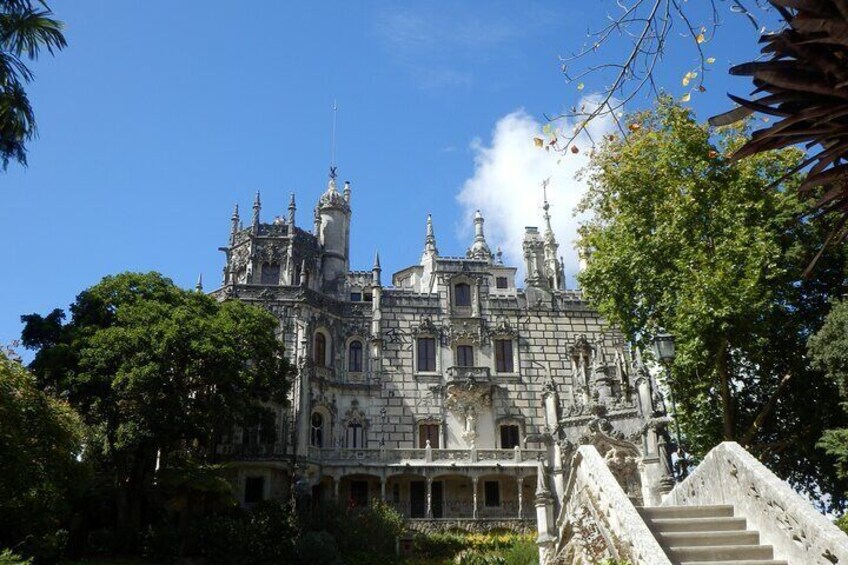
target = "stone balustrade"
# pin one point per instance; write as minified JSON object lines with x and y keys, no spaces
{"x":598,"y":521}
{"x":425,"y":456}
{"x":785,"y":520}
{"x":465,"y":373}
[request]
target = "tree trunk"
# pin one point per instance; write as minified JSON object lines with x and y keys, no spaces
{"x":724,"y":385}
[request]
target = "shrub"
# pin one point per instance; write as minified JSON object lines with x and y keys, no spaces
{"x":9,"y":558}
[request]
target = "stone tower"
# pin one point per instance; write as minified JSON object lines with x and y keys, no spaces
{"x":333,"y":232}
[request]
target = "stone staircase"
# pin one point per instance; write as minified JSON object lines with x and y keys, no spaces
{"x":708,"y":535}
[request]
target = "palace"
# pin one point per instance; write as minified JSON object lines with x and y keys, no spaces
{"x":451,"y":393}
{"x":466,"y":399}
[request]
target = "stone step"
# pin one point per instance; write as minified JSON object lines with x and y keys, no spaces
{"x":663,"y":525}
{"x":690,"y":539}
{"x":657,"y":512}
{"x":737,"y":562}
{"x":713,"y":553}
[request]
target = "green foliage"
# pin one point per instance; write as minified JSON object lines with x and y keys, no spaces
{"x":40,"y":440}
{"x":9,"y":558}
{"x":318,"y":548}
{"x":26,"y":27}
{"x":158,"y":372}
{"x":494,"y":548}
{"x":684,"y":239}
{"x":828,"y":350}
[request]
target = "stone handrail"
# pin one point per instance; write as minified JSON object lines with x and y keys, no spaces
{"x":598,"y":515}
{"x":785,"y":520}
{"x":426,"y":455}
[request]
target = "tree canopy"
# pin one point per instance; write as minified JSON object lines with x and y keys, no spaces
{"x":685,"y":239}
{"x":26,"y":28}
{"x":156,"y":370}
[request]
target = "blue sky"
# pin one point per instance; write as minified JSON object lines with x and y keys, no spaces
{"x":161,"y":115}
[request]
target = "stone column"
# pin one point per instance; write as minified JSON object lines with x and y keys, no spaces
{"x":383,"y":488}
{"x":429,"y":497}
{"x":520,"y":484}
{"x":474,"y":481}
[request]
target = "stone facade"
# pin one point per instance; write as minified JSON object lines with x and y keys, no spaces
{"x":454,"y":393}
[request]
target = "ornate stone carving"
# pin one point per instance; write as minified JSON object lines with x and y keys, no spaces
{"x":465,"y":331}
{"x":467,"y":399}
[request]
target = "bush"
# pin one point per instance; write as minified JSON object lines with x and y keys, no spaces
{"x":318,"y":548}
{"x":9,"y":558}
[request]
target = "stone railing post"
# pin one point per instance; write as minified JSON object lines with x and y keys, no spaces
{"x":517,"y":454}
{"x":474,"y":481}
{"x":429,"y":498}
{"x":520,"y":484}
{"x":428,"y":452}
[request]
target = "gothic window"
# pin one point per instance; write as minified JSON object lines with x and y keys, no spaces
{"x":509,"y":436}
{"x":464,"y":356}
{"x":426,"y":354}
{"x":355,"y":436}
{"x":270,"y":273}
{"x":503,"y":356}
{"x":319,"y":353}
{"x":254,"y":490}
{"x":501,"y":282}
{"x":317,"y":430}
{"x":462,"y":294}
{"x":428,"y":432}
{"x":354,"y":357}
{"x":492,"y":493}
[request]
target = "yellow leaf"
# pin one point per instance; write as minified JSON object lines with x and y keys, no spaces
{"x":686,"y":97}
{"x":700,"y":38}
{"x":685,"y":80}
{"x":580,"y":86}
{"x":710,"y":60}
{"x":538,"y":141}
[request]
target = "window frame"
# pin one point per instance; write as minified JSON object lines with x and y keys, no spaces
{"x":433,"y":352}
{"x":504,"y":364}
{"x":509,"y":425}
{"x":322,"y":360}
{"x":466,"y":357}
{"x":456,"y":295}
{"x":317,"y":431}
{"x":429,"y":429}
{"x":351,"y":358}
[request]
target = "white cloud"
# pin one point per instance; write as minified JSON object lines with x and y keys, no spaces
{"x":506,"y":186}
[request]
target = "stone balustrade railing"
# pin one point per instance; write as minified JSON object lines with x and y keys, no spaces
{"x":464,"y":373}
{"x":426,"y":455}
{"x":598,"y":521}
{"x":785,"y":520}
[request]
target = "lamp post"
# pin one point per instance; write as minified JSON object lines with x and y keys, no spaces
{"x":664,"y":350}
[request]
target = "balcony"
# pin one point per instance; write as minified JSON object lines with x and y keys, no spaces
{"x":465,"y":373}
{"x":258,"y":452}
{"x":426,"y":457}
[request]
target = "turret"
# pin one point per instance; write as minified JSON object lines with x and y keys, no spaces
{"x":334,"y":230}
{"x":553,"y":272}
{"x":430,"y":248}
{"x":534,"y":252}
{"x":199,"y":286}
{"x":479,"y":249}
{"x":376,"y":270}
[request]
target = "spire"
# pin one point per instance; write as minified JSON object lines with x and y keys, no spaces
{"x":549,"y":232}
{"x":292,"y":209}
{"x":376,"y":270}
{"x":430,"y":240}
{"x":257,"y":206}
{"x":234,"y":227}
{"x":199,"y":286}
{"x":479,"y":249}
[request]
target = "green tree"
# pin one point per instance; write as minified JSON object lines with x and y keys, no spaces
{"x":684,"y":239}
{"x":156,"y":371}
{"x":26,"y":27}
{"x":829,"y":352}
{"x":41,"y":439}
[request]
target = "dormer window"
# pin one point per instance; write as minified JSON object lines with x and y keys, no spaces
{"x":462,"y":294}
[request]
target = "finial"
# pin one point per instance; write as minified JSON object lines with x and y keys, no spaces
{"x":347,"y":191}
{"x":333,"y":142}
{"x":376,"y":270}
{"x":292,"y":209}
{"x":257,"y":206}
{"x":479,"y":249}
{"x":302,"y":280}
{"x":500,"y":255}
{"x":199,"y":286}
{"x":234,"y":224}
{"x":430,"y":240}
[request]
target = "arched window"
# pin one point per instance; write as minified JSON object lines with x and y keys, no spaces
{"x":317,"y":430}
{"x":462,"y":295}
{"x":319,"y":352}
{"x":354,"y":357}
